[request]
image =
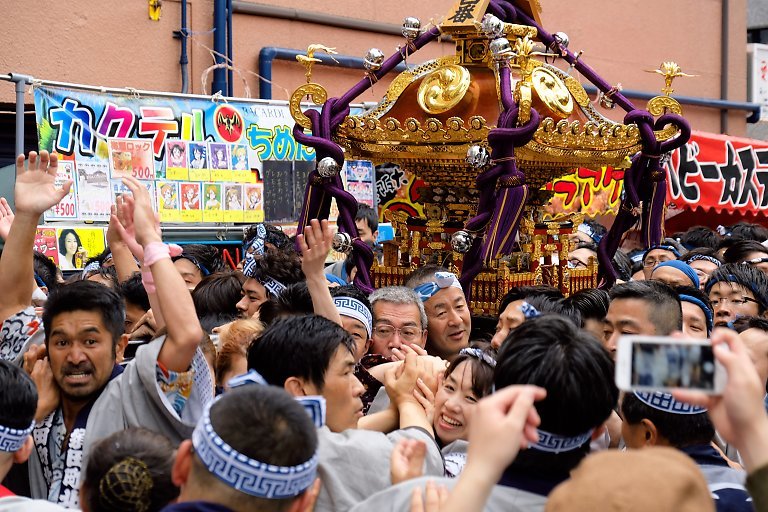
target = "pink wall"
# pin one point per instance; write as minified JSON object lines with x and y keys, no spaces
{"x":115,"y":44}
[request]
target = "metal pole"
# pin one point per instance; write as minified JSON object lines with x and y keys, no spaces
{"x":219,"y":46}
{"x":230,"y":58}
{"x":724,"y":62}
{"x":21,"y":82}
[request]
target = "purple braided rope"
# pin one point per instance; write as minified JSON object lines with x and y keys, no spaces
{"x":319,"y":191}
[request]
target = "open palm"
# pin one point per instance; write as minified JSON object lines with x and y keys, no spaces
{"x":36,"y":190}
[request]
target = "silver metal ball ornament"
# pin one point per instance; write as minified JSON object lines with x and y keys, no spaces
{"x":500,"y":49}
{"x":411,"y":28}
{"x":342,"y":243}
{"x":562,"y":38}
{"x":328,"y":168}
{"x":478,"y":157}
{"x":492,"y":26}
{"x":373,"y":59}
{"x":461,"y":241}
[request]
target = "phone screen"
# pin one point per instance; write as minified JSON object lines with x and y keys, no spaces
{"x":663,"y":365}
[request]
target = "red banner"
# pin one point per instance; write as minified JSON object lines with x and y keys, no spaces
{"x":719,"y":172}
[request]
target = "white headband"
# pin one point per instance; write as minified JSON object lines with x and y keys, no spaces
{"x":353,"y":308}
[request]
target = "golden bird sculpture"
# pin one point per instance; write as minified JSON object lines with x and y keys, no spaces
{"x":669,"y":70}
{"x":309,"y":59}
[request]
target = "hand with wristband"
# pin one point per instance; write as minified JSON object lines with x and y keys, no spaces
{"x":173,"y":298}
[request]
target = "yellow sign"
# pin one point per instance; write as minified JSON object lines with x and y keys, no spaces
{"x":464,"y":14}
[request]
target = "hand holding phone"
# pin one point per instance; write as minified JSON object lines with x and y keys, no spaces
{"x":663,"y":363}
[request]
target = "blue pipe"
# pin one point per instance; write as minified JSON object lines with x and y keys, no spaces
{"x":231,"y":60}
{"x":183,"y":59}
{"x":219,"y":45}
{"x":270,"y":53}
{"x":752,"y":108}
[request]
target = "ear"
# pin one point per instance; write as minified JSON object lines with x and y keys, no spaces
{"x":182,"y":465}
{"x":120,"y":349}
{"x":424,"y":338}
{"x":21,"y":455}
{"x":650,"y":432}
{"x":295,"y":386}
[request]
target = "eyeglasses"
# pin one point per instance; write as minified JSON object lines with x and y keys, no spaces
{"x":386,"y":332}
{"x":574,"y":263}
{"x":653,"y":263}
{"x":736,"y":302}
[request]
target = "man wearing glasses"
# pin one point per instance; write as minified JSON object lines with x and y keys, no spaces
{"x":398,"y":319}
{"x":737,"y":290}
{"x":658,"y":254}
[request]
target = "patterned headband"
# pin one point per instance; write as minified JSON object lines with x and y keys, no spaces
{"x":478,"y":354}
{"x":665,"y":403}
{"x":314,"y":405}
{"x":353,"y":308}
{"x":12,"y":439}
{"x":590,"y":232}
{"x":247,"y":475}
{"x":443,"y":280}
{"x":255,"y":247}
{"x":670,"y":248}
{"x":273,"y":286}
{"x":553,"y":443}
{"x":703,"y":257}
{"x":529,"y":311}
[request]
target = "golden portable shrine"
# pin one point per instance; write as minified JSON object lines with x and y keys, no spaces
{"x":486,"y":128}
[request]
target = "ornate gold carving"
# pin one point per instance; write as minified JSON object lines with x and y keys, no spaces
{"x":524,"y":102}
{"x":670,"y":71}
{"x":663,"y":104}
{"x":314,"y":91}
{"x":309,"y":59}
{"x":443,"y":89}
{"x":578,"y":92}
{"x":552,"y":92}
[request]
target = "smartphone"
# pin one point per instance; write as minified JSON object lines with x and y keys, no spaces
{"x":662,"y":363}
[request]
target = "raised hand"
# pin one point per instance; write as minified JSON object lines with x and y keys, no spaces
{"x":145,"y":223}
{"x":6,"y":218}
{"x":36,"y":190}
{"x":315,"y":244}
{"x":407,"y":460}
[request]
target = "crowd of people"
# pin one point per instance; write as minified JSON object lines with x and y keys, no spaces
{"x":160,"y":379}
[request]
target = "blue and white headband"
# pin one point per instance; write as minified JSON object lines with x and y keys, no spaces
{"x":314,"y":405}
{"x":529,"y":311}
{"x":273,"y":286}
{"x":703,"y":257}
{"x":245,"y":474}
{"x":666,"y":403}
{"x":587,"y":230}
{"x":554,"y":443}
{"x":443,"y":280}
{"x":255,"y":247}
{"x":12,"y":439}
{"x":353,"y":308}
{"x":479,"y":354}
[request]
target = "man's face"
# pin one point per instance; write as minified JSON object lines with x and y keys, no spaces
{"x":342,"y":392}
{"x":756,"y":341}
{"x":510,"y":318}
{"x":359,"y":333}
{"x":191,"y":274}
{"x":730,"y":301}
{"x":671,"y":276}
{"x":365,"y":233}
{"x":133,"y":314}
{"x":653,"y":258}
{"x":694,"y":321}
{"x":579,"y":258}
{"x":578,"y":236}
{"x":395,"y":325}
{"x":625,"y":317}
{"x":254,"y":295}
{"x":81,"y":352}
{"x":703,"y":269}
{"x":448,"y":321}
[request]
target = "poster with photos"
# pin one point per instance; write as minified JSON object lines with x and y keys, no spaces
{"x":254,"y":202}
{"x":93,"y":198}
{"x":198,"y":162}
{"x":176,"y":160}
{"x":219,"y":161}
{"x":213,"y":209}
{"x":360,"y":181}
{"x":131,"y":157}
{"x":67,"y":207}
{"x":168,"y":201}
{"x":77,"y":244}
{"x":189,"y":195}
{"x":233,"y":202}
